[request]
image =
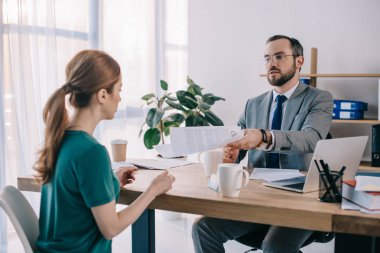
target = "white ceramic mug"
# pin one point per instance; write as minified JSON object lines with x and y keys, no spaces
{"x":210,"y":160}
{"x":230,"y":176}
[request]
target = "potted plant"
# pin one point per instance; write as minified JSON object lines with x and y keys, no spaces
{"x":190,"y":106}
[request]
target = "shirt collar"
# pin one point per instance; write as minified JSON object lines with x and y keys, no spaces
{"x":286,"y":94}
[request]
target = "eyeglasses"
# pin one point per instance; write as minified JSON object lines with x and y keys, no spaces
{"x":276,"y":58}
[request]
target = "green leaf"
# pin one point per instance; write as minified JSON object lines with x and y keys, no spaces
{"x":164,"y":85}
{"x":166,"y":130}
{"x":209,"y":98}
{"x":187,"y":99}
{"x":213,"y":119}
{"x":189,"y":80}
{"x":154,"y":116}
{"x":195,"y":89}
{"x":171,"y":124}
{"x":204,"y":106}
{"x":167,"y":108}
{"x":151,"y":138}
{"x":196,"y":120}
{"x":175,"y":105}
{"x":176,"y":117}
{"x":147,"y":96}
{"x":172,"y":98}
{"x":199,"y":99}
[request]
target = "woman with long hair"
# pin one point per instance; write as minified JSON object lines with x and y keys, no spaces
{"x":79,"y":188}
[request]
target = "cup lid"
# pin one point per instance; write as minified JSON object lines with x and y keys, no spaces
{"x":119,"y":141}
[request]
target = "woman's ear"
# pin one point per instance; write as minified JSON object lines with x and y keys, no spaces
{"x":101,"y":96}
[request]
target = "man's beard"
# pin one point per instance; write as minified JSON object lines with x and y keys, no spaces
{"x":284,"y":78}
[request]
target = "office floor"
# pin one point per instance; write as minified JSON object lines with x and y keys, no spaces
{"x":173,"y":235}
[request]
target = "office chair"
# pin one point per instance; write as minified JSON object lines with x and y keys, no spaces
{"x":254,"y":241}
{"x":22,"y":216}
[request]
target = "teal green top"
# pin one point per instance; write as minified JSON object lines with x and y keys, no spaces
{"x":83,"y":179}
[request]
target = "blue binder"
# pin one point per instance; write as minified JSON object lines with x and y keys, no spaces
{"x":350,"y":105}
{"x":343,"y":114}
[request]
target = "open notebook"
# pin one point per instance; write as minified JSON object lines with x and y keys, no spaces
{"x":336,"y":153}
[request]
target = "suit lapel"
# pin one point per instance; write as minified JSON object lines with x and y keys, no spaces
{"x":265,"y":104}
{"x":294,"y":105}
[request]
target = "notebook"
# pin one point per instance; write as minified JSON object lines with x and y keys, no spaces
{"x":336,"y":153}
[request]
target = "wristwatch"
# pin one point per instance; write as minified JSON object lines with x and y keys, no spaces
{"x":264,"y":140}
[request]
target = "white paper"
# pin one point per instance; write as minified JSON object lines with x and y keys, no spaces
{"x":213,"y":182}
{"x":116,"y":165}
{"x":348,"y":205}
{"x":166,"y":150}
{"x":366,"y":211}
{"x":270,"y":175}
{"x":158,"y":164}
{"x":367,"y":183}
{"x":189,"y":140}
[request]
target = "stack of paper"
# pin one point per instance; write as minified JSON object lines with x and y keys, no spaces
{"x":364,"y":192}
{"x":367,"y":183}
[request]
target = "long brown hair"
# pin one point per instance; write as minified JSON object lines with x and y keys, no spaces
{"x":88,"y":72}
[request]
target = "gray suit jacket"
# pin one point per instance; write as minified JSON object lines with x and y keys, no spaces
{"x":307,"y":119}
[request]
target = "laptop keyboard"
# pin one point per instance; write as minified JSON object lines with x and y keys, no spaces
{"x":298,"y":186}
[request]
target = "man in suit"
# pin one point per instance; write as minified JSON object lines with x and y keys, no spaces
{"x":291,"y":118}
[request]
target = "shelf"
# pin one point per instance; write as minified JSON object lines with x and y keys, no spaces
{"x":366,"y":166}
{"x":362,"y":121}
{"x":340,"y":75}
{"x":335,"y":75}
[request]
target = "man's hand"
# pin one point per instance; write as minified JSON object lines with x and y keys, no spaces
{"x":126,"y":175}
{"x":252,"y":138}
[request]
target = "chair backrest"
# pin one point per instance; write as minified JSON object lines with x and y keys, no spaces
{"x":22,"y":216}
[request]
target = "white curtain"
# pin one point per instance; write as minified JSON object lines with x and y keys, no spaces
{"x":38,"y":37}
{"x":149,"y":40}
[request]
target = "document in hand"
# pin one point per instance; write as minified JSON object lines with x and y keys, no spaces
{"x":189,"y":140}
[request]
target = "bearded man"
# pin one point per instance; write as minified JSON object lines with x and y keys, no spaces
{"x":288,"y":120}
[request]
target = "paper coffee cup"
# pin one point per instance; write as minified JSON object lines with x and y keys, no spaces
{"x":119,"y":150}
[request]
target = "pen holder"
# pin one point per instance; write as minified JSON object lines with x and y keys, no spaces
{"x":330,"y":187}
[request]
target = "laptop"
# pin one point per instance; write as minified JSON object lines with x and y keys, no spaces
{"x":336,"y":153}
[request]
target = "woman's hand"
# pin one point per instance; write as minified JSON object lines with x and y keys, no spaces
{"x":161,"y":184}
{"x":126,"y":175}
{"x":230,"y":154}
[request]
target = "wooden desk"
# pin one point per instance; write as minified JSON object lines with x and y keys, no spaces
{"x":256,"y":203}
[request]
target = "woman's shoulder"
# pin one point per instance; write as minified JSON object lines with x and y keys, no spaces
{"x":82,"y":143}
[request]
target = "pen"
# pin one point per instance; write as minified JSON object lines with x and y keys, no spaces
{"x":330,"y":179}
{"x":323,"y":180}
{"x":342,"y":170}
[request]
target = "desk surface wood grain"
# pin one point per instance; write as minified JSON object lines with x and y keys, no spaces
{"x":256,"y":203}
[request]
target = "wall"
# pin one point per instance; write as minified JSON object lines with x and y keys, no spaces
{"x":227,"y":39}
